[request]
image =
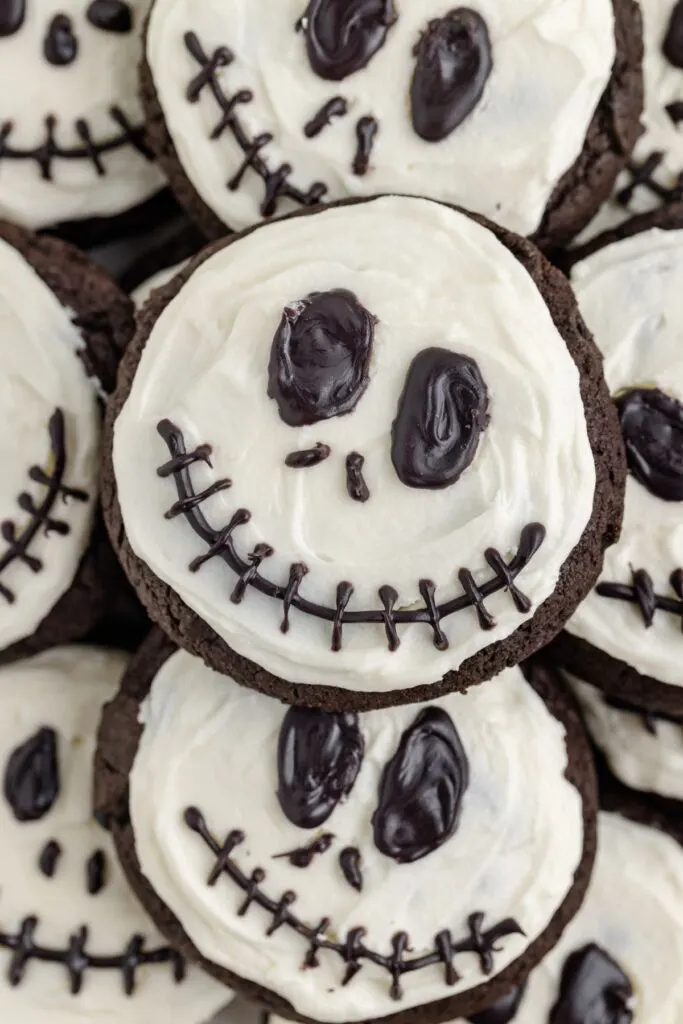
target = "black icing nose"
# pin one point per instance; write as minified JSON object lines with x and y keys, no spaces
{"x":61,"y":45}
{"x":12,"y":14}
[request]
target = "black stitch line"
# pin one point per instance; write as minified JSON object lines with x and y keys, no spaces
{"x":50,"y":150}
{"x":41,"y":516}
{"x":352,"y":950}
{"x":277,"y":183}
{"x":76,"y":961}
{"x":642,"y":593}
{"x":222,"y":545}
{"x":642,"y":176}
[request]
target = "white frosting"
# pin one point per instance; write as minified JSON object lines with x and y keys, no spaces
{"x":41,"y":373}
{"x":211,"y":744}
{"x":552,"y":62}
{"x":642,"y":759}
{"x":104,"y":74}
{"x":663,"y":86}
{"x":634,"y":912}
{"x":631,"y":296}
{"x":205,"y":367}
{"x":64,"y":690}
{"x":158,"y":280}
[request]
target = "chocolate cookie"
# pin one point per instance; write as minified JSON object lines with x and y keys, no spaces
{"x":523,"y":114}
{"x":626,"y":636}
{"x":74,"y":943}
{"x":72,"y":141}
{"x":375,"y":461}
{"x":375,"y":850}
{"x":64,"y":327}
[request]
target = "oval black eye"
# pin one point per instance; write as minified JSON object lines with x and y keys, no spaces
{"x":422,"y":788}
{"x":319,"y":757}
{"x":442,"y":414}
{"x":652,"y":425}
{"x":110,"y":15}
{"x":342,"y":36}
{"x":672,"y":47}
{"x":502,"y":1012}
{"x":593,"y":988}
{"x":454,"y":62}
{"x":32,"y":777}
{"x":12,"y":15}
{"x":61,"y":45}
{"x":320,"y":358}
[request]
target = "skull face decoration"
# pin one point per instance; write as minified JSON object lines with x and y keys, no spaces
{"x":71,"y":140}
{"x":392,"y":854}
{"x":630,"y":296}
{"x":272,"y":109}
{"x":73,"y":941}
{"x":351,"y":468}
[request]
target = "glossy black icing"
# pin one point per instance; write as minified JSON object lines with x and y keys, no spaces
{"x":304,"y":856}
{"x":350,"y":863}
{"x":320,"y":357}
{"x":421,"y":790}
{"x":642,"y":592}
{"x":672,"y":47}
{"x":12,"y":16}
{"x":61,"y":45}
{"x":356,"y":486}
{"x":454,"y":61}
{"x":49,"y":858}
{"x":96,"y":872}
{"x":502,"y":1012}
{"x":593,"y":990}
{"x":110,"y":15}
{"x":318,"y":760}
{"x":652,"y":426}
{"x":308,"y":457}
{"x":32,"y":782}
{"x":441,"y":417}
{"x":342,"y":36}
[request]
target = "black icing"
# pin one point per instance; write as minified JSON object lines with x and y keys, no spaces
{"x":441,"y":416}
{"x":61,"y":45}
{"x":12,"y":15}
{"x":110,"y":15}
{"x":502,"y":1012}
{"x":342,"y":36}
{"x":319,"y":757}
{"x":652,"y":425}
{"x":32,"y":784}
{"x":672,"y":47}
{"x":453,"y":64}
{"x":593,"y":990}
{"x":320,"y":357}
{"x":421,"y":790}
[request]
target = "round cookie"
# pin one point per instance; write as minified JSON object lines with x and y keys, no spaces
{"x":340,"y":835}
{"x":72,"y":144}
{"x":64,"y":327}
{"x":603,"y":969}
{"x":255,"y":111}
{"x":74,"y":943}
{"x":429,"y":440}
{"x":626,"y":636}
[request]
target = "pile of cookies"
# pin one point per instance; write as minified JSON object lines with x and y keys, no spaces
{"x":341,"y":533}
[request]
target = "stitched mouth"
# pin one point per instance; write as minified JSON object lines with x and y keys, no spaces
{"x":88,"y":148}
{"x":77,"y":961}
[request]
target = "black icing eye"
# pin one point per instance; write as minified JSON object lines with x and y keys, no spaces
{"x":652,"y":425}
{"x":12,"y":14}
{"x":32,"y":777}
{"x":320,"y":357}
{"x":422,"y":789}
{"x":61,"y":45}
{"x":593,"y":988}
{"x":110,"y":15}
{"x":672,"y":47}
{"x":319,"y":757}
{"x":454,"y":62}
{"x":442,"y":414}
{"x":342,"y":36}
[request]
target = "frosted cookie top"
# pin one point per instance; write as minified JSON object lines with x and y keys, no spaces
{"x":71,"y":140}
{"x":346,"y":435}
{"x":75,"y":944}
{"x":271,"y":107}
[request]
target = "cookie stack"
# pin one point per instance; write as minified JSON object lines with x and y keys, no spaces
{"x":364,"y":455}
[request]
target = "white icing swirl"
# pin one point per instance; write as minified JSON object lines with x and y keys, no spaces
{"x":552,"y":60}
{"x":41,"y":373}
{"x":631,"y":296}
{"x":212,"y":744}
{"x":433,"y":277}
{"x":102,"y":76}
{"x":64,"y":690}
